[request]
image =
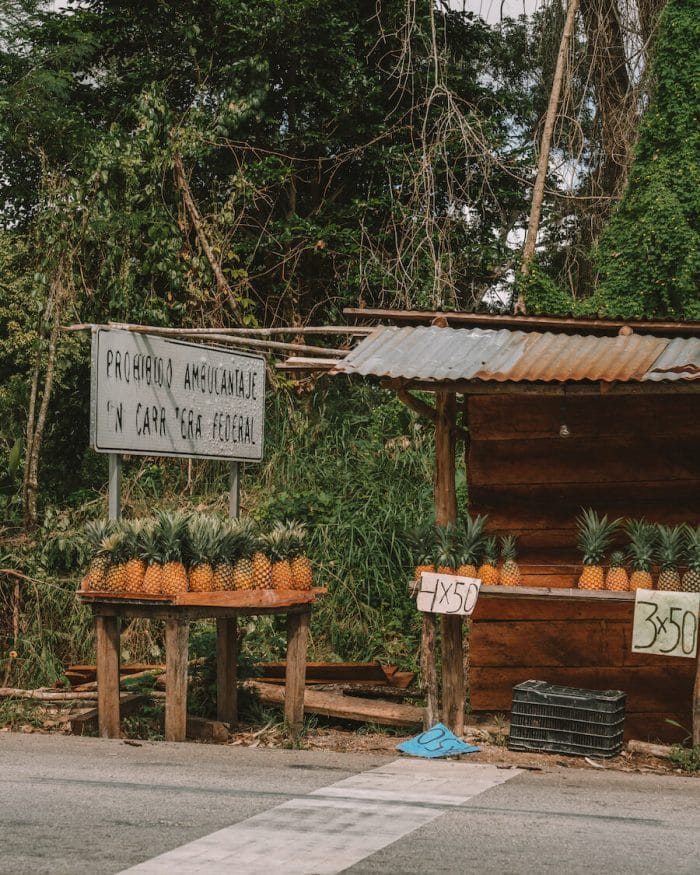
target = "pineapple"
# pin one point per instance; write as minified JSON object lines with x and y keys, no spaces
{"x":616,"y":579}
{"x":114,"y":547}
{"x":594,"y":536}
{"x":691,"y":578}
{"x":510,"y":572}
{"x":200,"y":547}
{"x":261,"y":565}
{"x":152,"y":556}
{"x":95,"y":532}
{"x":642,"y":536}
{"x":446,"y":549}
{"x":302,"y":572}
{"x":668,"y":550}
{"x":243,"y":569}
{"x":488,"y":572}
{"x":472,"y":546}
{"x":278,"y":547}
{"x":227,"y":551}
{"x":135,"y":566}
{"x":172,"y":528}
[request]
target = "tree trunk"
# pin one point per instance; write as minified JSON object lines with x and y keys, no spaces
{"x":36,"y":434}
{"x":545,"y":145}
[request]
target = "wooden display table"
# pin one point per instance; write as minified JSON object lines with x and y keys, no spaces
{"x":225,"y":607}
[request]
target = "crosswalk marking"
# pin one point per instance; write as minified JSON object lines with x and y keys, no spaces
{"x":333,"y":827}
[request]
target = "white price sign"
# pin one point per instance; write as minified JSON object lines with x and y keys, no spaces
{"x":666,"y":623}
{"x":159,"y":397}
{"x":447,"y":594}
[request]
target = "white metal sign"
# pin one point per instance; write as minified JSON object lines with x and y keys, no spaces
{"x":154,"y":396}
{"x":447,"y":593}
{"x":666,"y":623}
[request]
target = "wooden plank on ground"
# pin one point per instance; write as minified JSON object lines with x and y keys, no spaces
{"x":86,"y":719}
{"x":207,"y":730}
{"x":345,"y":707}
{"x":373,"y":673}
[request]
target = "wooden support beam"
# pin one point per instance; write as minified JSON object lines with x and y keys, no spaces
{"x":446,"y":512}
{"x":696,"y":706}
{"x":227,"y":670}
{"x":176,"y":645}
{"x":417,"y":405}
{"x":295,"y":681}
{"x":107,"y":651}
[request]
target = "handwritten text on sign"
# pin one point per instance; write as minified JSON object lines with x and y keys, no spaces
{"x":158,"y":397}
{"x":666,"y":623}
{"x":447,"y":594}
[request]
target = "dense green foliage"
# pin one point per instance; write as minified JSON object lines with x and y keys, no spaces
{"x":649,"y":256}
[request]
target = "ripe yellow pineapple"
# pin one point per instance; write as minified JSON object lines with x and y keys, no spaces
{"x":172,"y":531}
{"x":243,"y":569}
{"x":277,"y":547}
{"x":261,"y":566}
{"x":691,"y":578}
{"x":302,"y":571}
{"x":668,"y":550}
{"x":488,"y":572}
{"x":200,"y":549}
{"x":227,"y":551}
{"x":114,"y":546}
{"x":594,"y":536}
{"x":642,"y":536}
{"x":95,"y":532}
{"x":509,"y":574}
{"x":471,"y":546}
{"x":135,"y":565}
{"x":617,"y":579}
{"x":152,"y":556}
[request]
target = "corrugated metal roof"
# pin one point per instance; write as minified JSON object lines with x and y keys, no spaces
{"x":433,"y":354}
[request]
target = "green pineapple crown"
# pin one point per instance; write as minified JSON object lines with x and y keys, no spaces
{"x":421,"y":543}
{"x":473,"y":539}
{"x":640,"y":551}
{"x":692,"y":547}
{"x":276,"y":543}
{"x":296,"y":533}
{"x":97,"y":530}
{"x":228,"y":543}
{"x":171,"y":532}
{"x":617,"y":559}
{"x":491,"y":551}
{"x":508,"y":548}
{"x":115,"y":547}
{"x":669,"y":546}
{"x":200,"y":536}
{"x":447,"y":546}
{"x":595,"y":534}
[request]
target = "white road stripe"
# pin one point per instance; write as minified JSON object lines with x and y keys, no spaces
{"x":333,"y":827}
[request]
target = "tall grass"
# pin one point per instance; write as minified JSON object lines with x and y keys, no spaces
{"x":347,"y":459}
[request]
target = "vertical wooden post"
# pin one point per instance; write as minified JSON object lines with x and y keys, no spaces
{"x":176,"y":646}
{"x":428,"y":671}
{"x":696,"y":705}
{"x":114,"y":499}
{"x":295,"y":678}
{"x":234,"y":497}
{"x":107,"y":646}
{"x":227,"y":670}
{"x":446,"y":512}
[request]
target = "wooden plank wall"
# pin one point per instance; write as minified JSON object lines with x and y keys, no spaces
{"x":626,"y":456}
{"x":576,"y":643}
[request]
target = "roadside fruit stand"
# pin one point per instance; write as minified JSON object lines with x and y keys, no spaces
{"x":159,"y":396}
{"x":577,"y":435}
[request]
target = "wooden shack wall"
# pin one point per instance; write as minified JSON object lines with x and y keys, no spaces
{"x":631,"y":456}
{"x":579,"y":643}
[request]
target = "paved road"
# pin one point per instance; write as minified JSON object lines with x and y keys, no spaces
{"x":80,"y":805}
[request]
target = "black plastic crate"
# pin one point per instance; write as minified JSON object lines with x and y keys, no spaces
{"x":554,"y":719}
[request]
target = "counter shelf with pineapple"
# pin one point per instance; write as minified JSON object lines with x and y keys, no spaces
{"x":467,"y":550}
{"x":171,"y":554}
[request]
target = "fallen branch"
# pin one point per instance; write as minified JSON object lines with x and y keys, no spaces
{"x":43,"y":695}
{"x":652,"y":750}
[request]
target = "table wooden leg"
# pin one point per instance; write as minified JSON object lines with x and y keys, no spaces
{"x":176,"y":646}
{"x":107,"y":647}
{"x":227,"y":670}
{"x":452,"y":674}
{"x":295,"y":680}
{"x":428,"y":671}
